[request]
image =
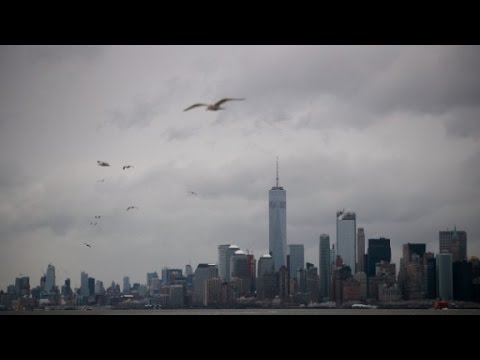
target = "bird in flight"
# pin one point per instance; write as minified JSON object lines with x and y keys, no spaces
{"x":192,"y":193}
{"x":102,"y":163}
{"x":102,"y":180}
{"x":127,"y":167}
{"x":97,"y":216}
{"x":215,"y":106}
{"x":91,"y":223}
{"x":88,"y":245}
{"x":132,"y":207}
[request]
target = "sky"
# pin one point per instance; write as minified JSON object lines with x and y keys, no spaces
{"x":389,"y":132}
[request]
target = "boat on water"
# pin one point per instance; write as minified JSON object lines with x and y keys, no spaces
{"x":440,"y":304}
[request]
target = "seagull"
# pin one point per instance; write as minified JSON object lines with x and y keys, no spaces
{"x":102,"y":163}
{"x":91,"y":223}
{"x":192,"y":193}
{"x":213,"y":107}
{"x":127,"y":167}
{"x":102,"y":180}
{"x":97,"y":217}
{"x":132,"y":207}
{"x":88,"y":245}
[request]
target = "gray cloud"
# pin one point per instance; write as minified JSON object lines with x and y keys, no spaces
{"x":389,"y":132}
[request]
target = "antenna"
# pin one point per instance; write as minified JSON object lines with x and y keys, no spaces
{"x":277,"y":171}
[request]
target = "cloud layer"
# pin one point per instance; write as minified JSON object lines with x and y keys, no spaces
{"x":391,"y":133}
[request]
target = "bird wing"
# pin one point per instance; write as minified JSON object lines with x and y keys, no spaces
{"x":194,"y":106}
{"x":218,"y":103}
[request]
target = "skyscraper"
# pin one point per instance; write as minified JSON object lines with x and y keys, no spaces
{"x":50,"y":279}
{"x":378,"y":250}
{"x":360,"y":250}
{"x":239,"y":268}
{"x":333,"y":259}
{"x":150,"y":276}
{"x":202,"y":274}
{"x":84,"y":284}
{"x":445,"y":276}
{"x":126,"y":285}
{"x":346,"y":237}
{"x":277,"y":197}
{"x":297,"y":259}
{"x":265,"y":278}
{"x":91,"y":286}
{"x":455,"y":243}
{"x":22,"y":285}
{"x":225,"y":253}
{"x":324,"y":266}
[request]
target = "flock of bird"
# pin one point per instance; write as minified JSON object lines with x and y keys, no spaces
{"x":209,"y":107}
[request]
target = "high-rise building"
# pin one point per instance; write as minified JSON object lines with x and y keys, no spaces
{"x":324,"y":266}
{"x":431,"y":276}
{"x":265,"y":265}
{"x":277,"y":197}
{"x":252,"y":272}
{"x":67,"y":289}
{"x":378,"y":250}
{"x":265,"y":278}
{"x":413,"y":274}
{"x":202,"y":274}
{"x":22,"y":286}
{"x":225,"y":253}
{"x":409,"y":250}
{"x":43,"y":280}
{"x":84,"y":284}
{"x":91,"y":286}
{"x":361,"y":277}
{"x":462,"y":280}
{"x":346,"y":237}
{"x":297,"y":259}
{"x":170,"y":275}
{"x":50,"y":279}
{"x":333,"y":259}
{"x":239,"y":268}
{"x":150,"y":276}
{"x":445,"y":276}
{"x":360,"y":250}
{"x":455,"y":243}
{"x":188,"y":270}
{"x":177,"y":296}
{"x":222,"y":261}
{"x":99,"y":289}
{"x":126,"y":285}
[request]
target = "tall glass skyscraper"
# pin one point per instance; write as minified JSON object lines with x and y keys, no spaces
{"x":346,"y":237}
{"x":324,"y":266}
{"x":50,"y":279}
{"x":277,"y":197}
{"x":445,"y":276}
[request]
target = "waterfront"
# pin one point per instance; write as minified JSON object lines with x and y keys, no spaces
{"x":253,"y":312}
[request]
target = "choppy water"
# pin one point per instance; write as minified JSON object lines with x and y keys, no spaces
{"x":253,"y":312}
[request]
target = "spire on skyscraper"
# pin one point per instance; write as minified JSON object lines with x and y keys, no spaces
{"x":277,"y":171}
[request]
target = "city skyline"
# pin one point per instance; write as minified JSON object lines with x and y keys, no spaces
{"x":388,"y":132}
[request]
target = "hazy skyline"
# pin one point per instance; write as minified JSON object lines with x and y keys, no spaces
{"x":390,"y":132}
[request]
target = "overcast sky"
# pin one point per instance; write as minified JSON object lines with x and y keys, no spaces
{"x":391,"y":133}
